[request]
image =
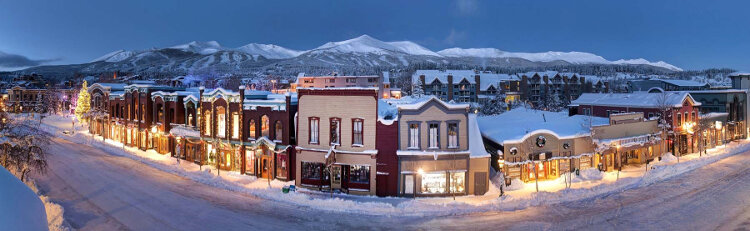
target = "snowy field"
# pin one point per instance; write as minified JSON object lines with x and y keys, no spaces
{"x":140,"y":171}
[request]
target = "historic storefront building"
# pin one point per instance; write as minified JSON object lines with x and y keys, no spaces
{"x":629,"y":138}
{"x":337,"y":132}
{"x":101,"y":114}
{"x":269,"y":134}
{"x":541,"y":145}
{"x":680,"y":110}
{"x":440,"y":150}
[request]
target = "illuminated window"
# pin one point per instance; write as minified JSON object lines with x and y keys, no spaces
{"x":265,"y":129}
{"x":235,"y":125}
{"x":221,"y":122}
{"x":251,"y":132}
{"x":207,"y":122}
{"x":452,"y":135}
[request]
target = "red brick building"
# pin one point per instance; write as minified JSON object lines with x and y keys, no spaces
{"x":680,"y":113}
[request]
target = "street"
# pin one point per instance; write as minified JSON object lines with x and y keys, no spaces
{"x":100,"y":191}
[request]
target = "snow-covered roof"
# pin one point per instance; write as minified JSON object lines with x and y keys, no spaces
{"x":516,"y":124}
{"x":476,"y":145}
{"x":21,"y":208}
{"x":184,"y":131}
{"x":684,"y":83}
{"x":338,"y":88}
{"x":387,"y":113}
{"x":636,"y":99}
{"x":108,"y":86}
{"x":414,"y":103}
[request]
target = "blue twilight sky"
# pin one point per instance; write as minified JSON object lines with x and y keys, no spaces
{"x":689,"y":34}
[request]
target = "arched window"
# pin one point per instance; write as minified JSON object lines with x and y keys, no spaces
{"x":265,"y":126}
{"x":221,"y":122}
{"x":251,"y":133}
{"x":279,"y":130}
{"x":207,"y":123}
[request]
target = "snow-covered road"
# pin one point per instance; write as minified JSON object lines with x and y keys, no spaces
{"x":105,"y":192}
{"x":100,"y":191}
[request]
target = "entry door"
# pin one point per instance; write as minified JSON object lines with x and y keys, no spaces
{"x":480,"y":183}
{"x":265,"y":166}
{"x":337,"y":176}
{"x":408,"y":184}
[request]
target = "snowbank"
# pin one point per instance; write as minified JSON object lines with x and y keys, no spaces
{"x":20,"y":208}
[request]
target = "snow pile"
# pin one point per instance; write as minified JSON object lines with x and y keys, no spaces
{"x":55,"y":219}
{"x":20,"y":207}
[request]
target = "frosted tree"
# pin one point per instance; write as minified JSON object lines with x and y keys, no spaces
{"x":493,"y":106}
{"x":416,"y":90}
{"x":83,"y":105}
{"x":24,"y":146}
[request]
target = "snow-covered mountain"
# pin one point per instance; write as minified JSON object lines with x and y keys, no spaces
{"x":368,"y":45}
{"x":572,"y":57}
{"x":269,"y":51}
{"x":360,"y":53}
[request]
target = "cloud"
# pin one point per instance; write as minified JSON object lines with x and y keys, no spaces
{"x":16,"y":61}
{"x":454,"y":36}
{"x":466,"y":7}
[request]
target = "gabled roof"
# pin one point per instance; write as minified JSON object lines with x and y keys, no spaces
{"x":635,"y":99}
{"x":421,"y":102}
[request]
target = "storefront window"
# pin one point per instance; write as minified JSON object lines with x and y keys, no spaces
{"x":312,"y":170}
{"x":433,"y":183}
{"x":249,"y":162}
{"x":359,"y":174}
{"x":458,"y":184}
{"x":281,"y":165}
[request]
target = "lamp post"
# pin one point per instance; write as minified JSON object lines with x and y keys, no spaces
{"x":619,"y":159}
{"x":419,"y":173}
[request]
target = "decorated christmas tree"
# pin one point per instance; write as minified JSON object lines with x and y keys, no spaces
{"x":83,"y":104}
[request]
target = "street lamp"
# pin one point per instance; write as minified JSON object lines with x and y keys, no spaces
{"x":619,"y":159}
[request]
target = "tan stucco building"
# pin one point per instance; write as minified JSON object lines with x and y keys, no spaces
{"x":440,"y":150}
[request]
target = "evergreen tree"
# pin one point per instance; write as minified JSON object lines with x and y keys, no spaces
{"x":83,"y":105}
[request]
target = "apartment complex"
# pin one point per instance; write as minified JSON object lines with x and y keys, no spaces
{"x":537,"y":88}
